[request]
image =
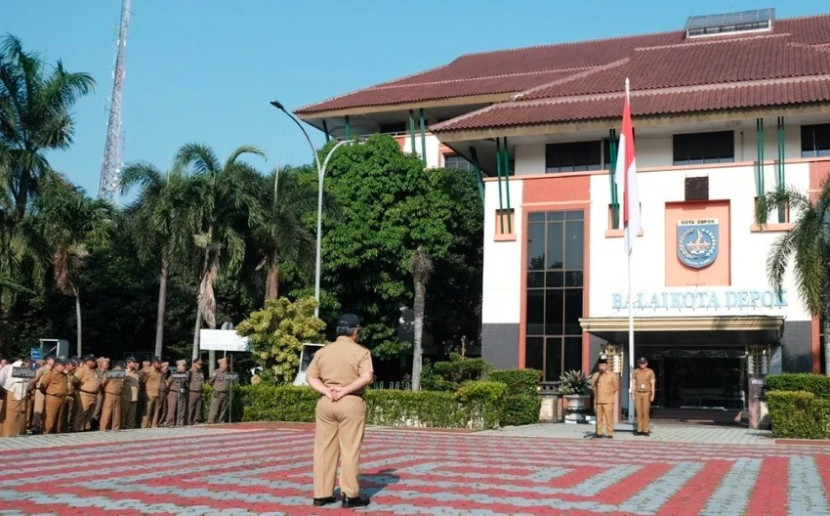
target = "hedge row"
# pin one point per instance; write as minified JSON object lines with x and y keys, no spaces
{"x":476,"y":405}
{"x":819,"y":385}
{"x":522,"y":403}
{"x":799,"y":414}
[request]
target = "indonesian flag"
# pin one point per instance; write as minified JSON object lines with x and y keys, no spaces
{"x":625,"y":175}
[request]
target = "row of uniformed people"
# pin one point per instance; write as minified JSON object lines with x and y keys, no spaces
{"x":67,"y":395}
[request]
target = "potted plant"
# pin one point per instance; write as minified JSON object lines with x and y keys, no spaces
{"x":574,"y":385}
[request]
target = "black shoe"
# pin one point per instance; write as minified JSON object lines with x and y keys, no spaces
{"x":646,"y":434}
{"x":638,"y":433}
{"x":609,"y":436}
{"x":355,"y":501}
{"x":319,"y":502}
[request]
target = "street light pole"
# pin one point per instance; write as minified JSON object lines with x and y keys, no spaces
{"x":321,"y":172}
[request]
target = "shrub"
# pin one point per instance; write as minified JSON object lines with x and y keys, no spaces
{"x":449,"y":375}
{"x":519,"y":381}
{"x":521,"y":409}
{"x":574,"y":382}
{"x":817,"y":384}
{"x":798,"y":414}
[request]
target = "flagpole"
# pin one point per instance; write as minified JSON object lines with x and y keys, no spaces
{"x":629,"y":252}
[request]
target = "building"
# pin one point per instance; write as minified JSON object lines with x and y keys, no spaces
{"x":724,"y":110}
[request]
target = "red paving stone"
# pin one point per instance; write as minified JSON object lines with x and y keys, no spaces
{"x":265,"y":468}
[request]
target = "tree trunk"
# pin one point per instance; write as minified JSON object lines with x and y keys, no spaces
{"x":162,"y":304}
{"x":195,"y":353}
{"x":418,"y":309}
{"x":826,"y":329}
{"x":78,"y":317}
{"x":272,"y":279}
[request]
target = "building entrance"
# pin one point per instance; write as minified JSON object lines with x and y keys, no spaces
{"x":711,"y":379}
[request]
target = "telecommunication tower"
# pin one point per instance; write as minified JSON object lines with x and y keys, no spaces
{"x":110,"y":184}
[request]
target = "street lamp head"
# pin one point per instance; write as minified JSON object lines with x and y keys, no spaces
{"x":277,"y":104}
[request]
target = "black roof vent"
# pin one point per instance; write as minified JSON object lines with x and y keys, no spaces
{"x":713,"y":24}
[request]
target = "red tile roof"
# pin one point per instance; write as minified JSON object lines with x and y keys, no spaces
{"x":580,"y":81}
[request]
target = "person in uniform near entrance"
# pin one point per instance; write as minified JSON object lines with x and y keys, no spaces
{"x":14,"y":403}
{"x":605,"y":385}
{"x":129,"y":394}
{"x":221,"y":389}
{"x":68,"y":417}
{"x":87,"y":393}
{"x":340,"y":371}
{"x":152,"y":384}
{"x":54,"y":387}
{"x":177,"y":397}
{"x":101,"y":372}
{"x":36,"y":416}
{"x":643,"y":382}
{"x":111,"y":406}
{"x":194,"y":399}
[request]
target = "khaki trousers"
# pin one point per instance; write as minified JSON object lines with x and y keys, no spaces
{"x":14,"y":421}
{"x":68,"y":417}
{"x":642,"y":407}
{"x":194,"y":407}
{"x":53,"y":412}
{"x":218,"y":408}
{"x":605,"y":418}
{"x":111,"y":411}
{"x":149,"y":411}
{"x":338,"y":435}
{"x":83,"y":412}
{"x":37,"y":411}
{"x":128,"y":409}
{"x":176,"y":408}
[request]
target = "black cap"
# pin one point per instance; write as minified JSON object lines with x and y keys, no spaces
{"x":74,"y":361}
{"x":131,"y":359}
{"x":59,"y":360}
{"x":121,"y":364}
{"x":50,"y":355}
{"x":643,"y":360}
{"x":89,"y":357}
{"x":349,"y":321}
{"x":198,"y":361}
{"x":602,"y":360}
{"x":157,"y":359}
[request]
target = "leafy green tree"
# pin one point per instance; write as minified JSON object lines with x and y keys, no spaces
{"x":277,"y":333}
{"x":162,"y":222}
{"x":807,"y":246}
{"x":227,"y":206}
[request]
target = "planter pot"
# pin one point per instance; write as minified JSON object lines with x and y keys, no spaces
{"x":578,"y":402}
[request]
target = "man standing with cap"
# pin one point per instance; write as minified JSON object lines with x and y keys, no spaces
{"x":221,"y":388}
{"x":194,"y":402}
{"x":152,"y":385}
{"x":14,"y":404}
{"x":643,"y":381}
{"x":111,"y":406}
{"x":87,"y":393}
{"x":54,"y":387}
{"x":36,"y":420}
{"x":340,"y":371}
{"x":68,"y":414}
{"x":129,"y":394}
{"x":177,"y":397}
{"x":605,"y":385}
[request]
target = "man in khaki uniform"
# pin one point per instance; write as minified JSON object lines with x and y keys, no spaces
{"x":129,"y":394}
{"x":14,"y":403}
{"x":605,"y":385}
{"x":161,"y":407}
{"x":101,"y":372}
{"x":340,"y":371}
{"x":177,"y":397}
{"x":87,"y":392}
{"x":643,"y":382}
{"x":194,"y":399}
{"x":36,"y":419}
{"x":54,"y":387}
{"x":152,"y":383}
{"x":221,"y":390}
{"x":68,"y":416}
{"x":111,"y":406}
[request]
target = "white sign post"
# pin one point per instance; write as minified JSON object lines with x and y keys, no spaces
{"x":225,"y":340}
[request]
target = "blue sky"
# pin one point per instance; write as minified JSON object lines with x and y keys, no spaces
{"x":204,"y":71}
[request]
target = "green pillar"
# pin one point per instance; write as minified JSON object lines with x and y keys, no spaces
{"x":477,"y":167}
{"x":348,"y":128}
{"x":498,"y":180}
{"x":759,"y":169}
{"x":326,"y":130}
{"x":615,"y":201}
{"x":423,"y":136}
{"x":506,"y":170}
{"x":781,"y":179}
{"x":412,"y":130}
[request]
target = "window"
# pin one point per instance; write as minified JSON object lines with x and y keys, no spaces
{"x":815,"y":140}
{"x":458,"y":162}
{"x":699,"y":148}
{"x":555,"y":256}
{"x":573,"y":157}
{"x":697,"y":189}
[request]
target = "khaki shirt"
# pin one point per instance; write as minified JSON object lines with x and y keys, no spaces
{"x":197,"y":378}
{"x":220,"y":381}
{"x":89,"y":382}
{"x":641,"y":379}
{"x":40,"y":372}
{"x":70,"y":383}
{"x":131,"y":386}
{"x":112,"y":385}
{"x":340,"y":363}
{"x":54,"y":384}
{"x":605,"y":387}
{"x":152,"y":382}
{"x":178,"y":386}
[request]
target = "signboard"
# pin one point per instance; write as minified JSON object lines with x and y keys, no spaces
{"x":306,"y":355}
{"x":35,"y":354}
{"x":116,"y":374}
{"x":178,"y":376}
{"x":22,"y":372}
{"x":223,"y":340}
{"x":232,"y":376}
{"x":699,"y":299}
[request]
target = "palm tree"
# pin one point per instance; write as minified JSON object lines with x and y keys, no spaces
{"x":807,"y":244}
{"x":66,"y":223}
{"x":421,"y":270}
{"x":34,"y":116}
{"x":162,"y":223}
{"x":281,"y":235}
{"x":228,"y":205}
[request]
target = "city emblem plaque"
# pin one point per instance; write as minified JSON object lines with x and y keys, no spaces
{"x":697,"y":242}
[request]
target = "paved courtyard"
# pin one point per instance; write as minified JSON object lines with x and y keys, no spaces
{"x":541,"y":469}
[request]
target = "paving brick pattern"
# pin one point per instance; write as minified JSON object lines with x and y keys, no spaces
{"x":266,"y":469}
